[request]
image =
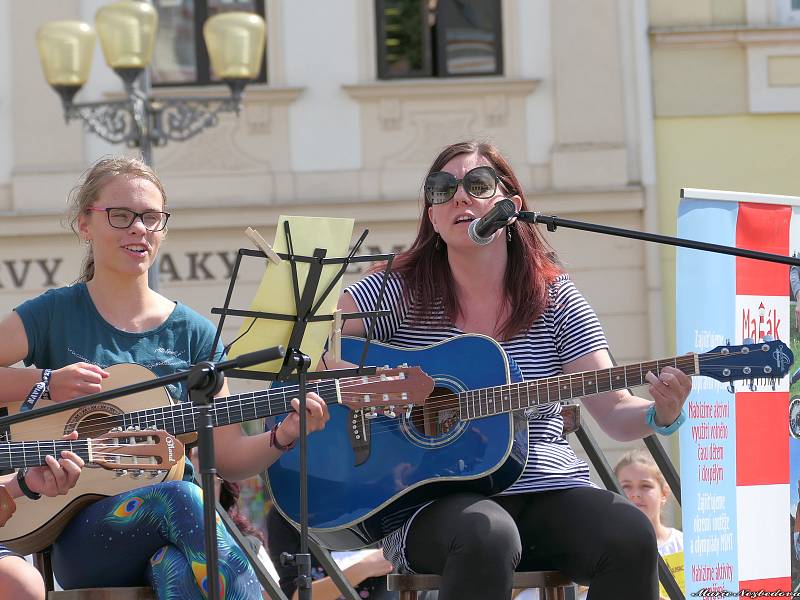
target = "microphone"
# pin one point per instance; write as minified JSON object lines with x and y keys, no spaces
{"x":483,"y":230}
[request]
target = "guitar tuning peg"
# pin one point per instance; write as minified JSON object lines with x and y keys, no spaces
{"x":768,"y":338}
{"x":121,"y":472}
{"x":727,"y":341}
{"x":389,"y":412}
{"x":409,"y":409}
{"x":370,"y":413}
{"x":745,"y":341}
{"x":751,"y":385}
{"x":730,"y":388}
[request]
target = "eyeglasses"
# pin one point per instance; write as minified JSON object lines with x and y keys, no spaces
{"x":480,"y":182}
{"x":122,"y":218}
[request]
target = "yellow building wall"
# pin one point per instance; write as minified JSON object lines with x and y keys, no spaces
{"x":745,"y":153}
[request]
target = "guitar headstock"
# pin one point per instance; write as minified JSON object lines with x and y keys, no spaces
{"x":387,"y":389}
{"x":766,"y":360}
{"x":140,"y":450}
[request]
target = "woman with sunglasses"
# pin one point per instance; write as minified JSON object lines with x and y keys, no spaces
{"x":513,"y":290}
{"x":153,"y":534}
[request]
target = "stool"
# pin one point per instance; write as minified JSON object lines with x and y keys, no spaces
{"x":552,"y":583}
{"x":106,"y":593}
{"x":42,"y":561}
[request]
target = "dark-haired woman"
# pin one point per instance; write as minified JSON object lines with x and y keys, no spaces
{"x":514,"y":291}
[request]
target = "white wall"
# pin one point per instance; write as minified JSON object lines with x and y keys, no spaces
{"x":5,"y":96}
{"x":321,"y":55}
{"x":536,"y":62}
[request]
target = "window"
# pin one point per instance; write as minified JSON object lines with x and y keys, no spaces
{"x":180,"y":56}
{"x":438,"y":38}
{"x":788,"y":11}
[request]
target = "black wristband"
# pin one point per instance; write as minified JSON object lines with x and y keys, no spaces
{"x":29,"y":493}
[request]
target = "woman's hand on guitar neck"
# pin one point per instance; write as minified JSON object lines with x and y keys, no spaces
{"x":75,"y":380}
{"x":58,"y":476}
{"x":317,"y":411}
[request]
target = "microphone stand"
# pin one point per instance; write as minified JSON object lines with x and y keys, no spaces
{"x":653,"y":444}
{"x":553,"y":222}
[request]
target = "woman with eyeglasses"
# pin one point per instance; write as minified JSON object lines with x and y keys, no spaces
{"x":153,"y":534}
{"x":514,"y":290}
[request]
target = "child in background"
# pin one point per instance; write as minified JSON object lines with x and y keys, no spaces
{"x":645,"y":486}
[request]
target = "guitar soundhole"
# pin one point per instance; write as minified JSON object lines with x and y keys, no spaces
{"x":94,"y":421}
{"x":438,"y":416}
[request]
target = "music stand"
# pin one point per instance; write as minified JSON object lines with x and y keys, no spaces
{"x":296,"y":365}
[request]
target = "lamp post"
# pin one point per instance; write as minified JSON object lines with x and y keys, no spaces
{"x":127,"y":29}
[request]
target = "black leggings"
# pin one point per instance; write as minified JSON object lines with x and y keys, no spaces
{"x":593,"y":536}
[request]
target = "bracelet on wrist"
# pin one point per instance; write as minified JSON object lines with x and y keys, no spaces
{"x":41,"y":389}
{"x":650,"y":419}
{"x":274,"y":443}
{"x":29,"y":493}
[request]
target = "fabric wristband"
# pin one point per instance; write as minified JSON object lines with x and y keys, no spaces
{"x":40,"y":390}
{"x":650,"y":419}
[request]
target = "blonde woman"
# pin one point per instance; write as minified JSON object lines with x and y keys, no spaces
{"x":72,"y":334}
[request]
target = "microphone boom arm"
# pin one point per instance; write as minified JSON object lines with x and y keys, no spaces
{"x":552,"y":222}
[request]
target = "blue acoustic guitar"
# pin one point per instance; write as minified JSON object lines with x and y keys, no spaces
{"x":370,"y":470}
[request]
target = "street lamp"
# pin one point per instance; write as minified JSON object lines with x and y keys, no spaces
{"x":127,"y":29}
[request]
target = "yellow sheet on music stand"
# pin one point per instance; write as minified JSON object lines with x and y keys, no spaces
{"x":276,"y":292}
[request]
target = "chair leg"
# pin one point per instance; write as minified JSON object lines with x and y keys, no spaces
{"x":553,"y":593}
{"x":41,"y":561}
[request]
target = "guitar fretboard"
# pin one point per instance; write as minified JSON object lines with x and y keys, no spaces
{"x":183,"y":417}
{"x":16,"y":455}
{"x":527,"y":394}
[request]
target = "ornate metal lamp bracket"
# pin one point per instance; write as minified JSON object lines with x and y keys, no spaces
{"x":140,"y":119}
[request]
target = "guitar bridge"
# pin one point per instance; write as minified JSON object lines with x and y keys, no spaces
{"x":358,"y":429}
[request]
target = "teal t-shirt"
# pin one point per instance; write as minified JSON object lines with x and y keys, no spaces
{"x":63,"y":327}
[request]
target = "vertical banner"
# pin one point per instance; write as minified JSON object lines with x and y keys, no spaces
{"x":735,"y":447}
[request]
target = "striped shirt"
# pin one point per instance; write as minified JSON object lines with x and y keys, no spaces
{"x":566,"y":330}
{"x":5,"y":552}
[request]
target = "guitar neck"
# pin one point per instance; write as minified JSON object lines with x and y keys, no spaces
{"x":16,"y":455}
{"x":181,"y":418}
{"x":528,"y":394}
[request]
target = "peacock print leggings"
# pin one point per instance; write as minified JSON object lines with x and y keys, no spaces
{"x":150,"y":535}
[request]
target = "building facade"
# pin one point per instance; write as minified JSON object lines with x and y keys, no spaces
{"x":345,"y":123}
{"x":726,"y":92}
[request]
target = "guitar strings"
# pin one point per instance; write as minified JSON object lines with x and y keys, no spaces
{"x":182,"y":410}
{"x":80,"y":446}
{"x":187,"y":409}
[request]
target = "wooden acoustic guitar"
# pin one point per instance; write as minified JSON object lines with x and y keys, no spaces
{"x":149,"y":452}
{"x":38,"y":522}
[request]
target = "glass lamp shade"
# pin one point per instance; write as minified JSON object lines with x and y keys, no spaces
{"x":127,"y":32}
{"x":235,"y":42}
{"x":65,"y":49}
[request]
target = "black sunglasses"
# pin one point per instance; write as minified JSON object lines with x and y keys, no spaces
{"x":480,"y":182}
